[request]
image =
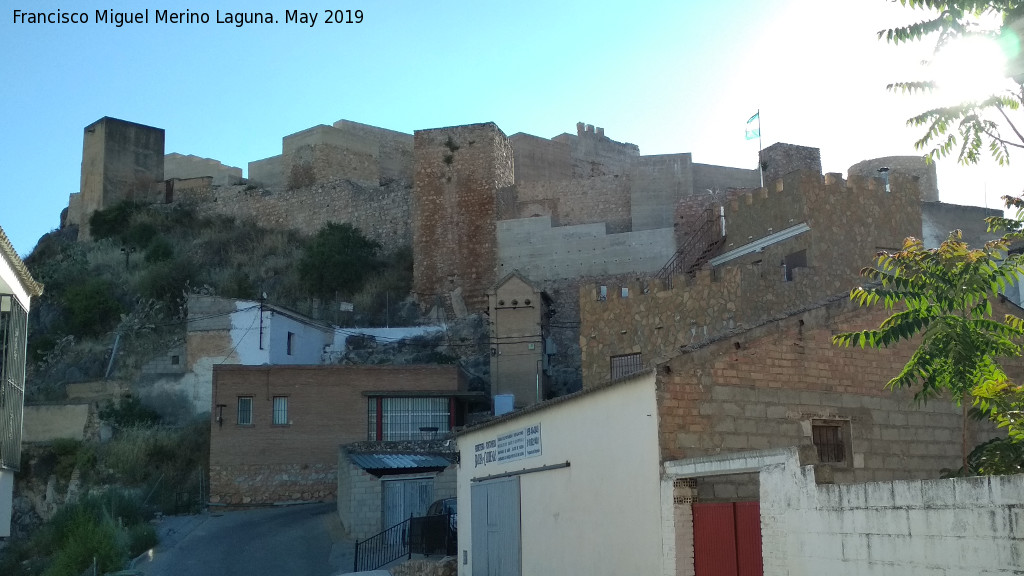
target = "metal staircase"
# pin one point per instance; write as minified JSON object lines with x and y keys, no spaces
{"x":699,"y":246}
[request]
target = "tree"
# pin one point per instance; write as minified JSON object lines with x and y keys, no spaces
{"x":966,"y":127}
{"x":337,"y":259}
{"x":945,"y":299}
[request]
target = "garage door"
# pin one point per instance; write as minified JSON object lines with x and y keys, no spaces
{"x":497,"y":540}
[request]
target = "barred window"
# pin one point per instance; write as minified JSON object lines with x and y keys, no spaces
{"x":245,"y":410}
{"x":408,"y":418}
{"x":626,"y":364}
{"x":830,"y":438}
{"x":280,"y":410}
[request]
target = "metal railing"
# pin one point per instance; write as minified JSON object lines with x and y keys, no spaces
{"x":384,"y":547}
{"x":704,"y":238}
{"x":427,"y":535}
{"x":13,"y":339}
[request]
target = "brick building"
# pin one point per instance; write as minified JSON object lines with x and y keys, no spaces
{"x":774,"y":385}
{"x":276,"y":430}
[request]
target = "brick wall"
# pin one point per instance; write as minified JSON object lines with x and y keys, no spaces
{"x":762,"y":388}
{"x":459,"y":172}
{"x":265,"y":463}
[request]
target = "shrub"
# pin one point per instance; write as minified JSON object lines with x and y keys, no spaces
{"x":112,"y":222}
{"x":129,"y":411}
{"x":167,"y":281}
{"x":84,"y":538}
{"x":337,"y":259}
{"x":141,"y":537}
{"x":159,"y":250}
{"x":140,"y":234}
{"x":91,"y":307}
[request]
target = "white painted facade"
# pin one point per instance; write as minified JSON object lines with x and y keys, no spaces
{"x":599,"y":515}
{"x":16,"y":281}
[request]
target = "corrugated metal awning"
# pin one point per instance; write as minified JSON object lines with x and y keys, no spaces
{"x":398,"y":461}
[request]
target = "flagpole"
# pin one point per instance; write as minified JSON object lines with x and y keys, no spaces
{"x":760,"y":165}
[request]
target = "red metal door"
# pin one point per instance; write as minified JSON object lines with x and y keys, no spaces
{"x":748,"y":539}
{"x":727,"y":539}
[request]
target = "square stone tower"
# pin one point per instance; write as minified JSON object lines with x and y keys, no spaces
{"x":460,"y":175}
{"x":120,"y":161}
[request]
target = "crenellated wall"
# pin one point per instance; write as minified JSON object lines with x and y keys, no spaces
{"x":847,"y":223}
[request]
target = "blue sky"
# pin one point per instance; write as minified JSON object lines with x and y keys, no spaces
{"x":675,"y":76}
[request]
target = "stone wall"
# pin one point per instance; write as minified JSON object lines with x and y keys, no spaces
{"x":954,"y":526}
{"x":849,"y":222}
{"x":380,"y":212}
{"x":540,"y":159}
{"x":120,"y":161}
{"x":345,"y":150}
{"x":913,"y":166}
{"x":183,"y":167}
{"x":459,"y":172}
{"x":594,"y":200}
{"x":780,"y":159}
{"x":264,"y":484}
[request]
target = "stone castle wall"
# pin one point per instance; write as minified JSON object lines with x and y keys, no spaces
{"x":459,"y":172}
{"x":380,"y":212}
{"x":655,"y":319}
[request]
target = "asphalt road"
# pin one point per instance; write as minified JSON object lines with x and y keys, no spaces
{"x":289,"y":541}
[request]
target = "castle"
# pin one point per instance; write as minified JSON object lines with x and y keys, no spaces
{"x":570,"y":213}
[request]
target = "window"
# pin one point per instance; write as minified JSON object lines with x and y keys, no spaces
{"x":626,"y":364}
{"x":408,"y":418}
{"x":830,"y":438}
{"x":175,"y":360}
{"x":244,"y":411}
{"x":602,"y":293}
{"x":291,"y":343}
{"x":624,"y":293}
{"x":280,"y":410}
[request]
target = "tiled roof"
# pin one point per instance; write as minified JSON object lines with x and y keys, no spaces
{"x":34,"y":289}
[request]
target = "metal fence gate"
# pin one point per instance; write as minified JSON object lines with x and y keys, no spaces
{"x":727,"y":539}
{"x":497,"y":540}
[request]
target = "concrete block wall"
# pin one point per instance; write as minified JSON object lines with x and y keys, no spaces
{"x":459,"y":171}
{"x":359,"y":499}
{"x":658,"y":182}
{"x":326,"y":408}
{"x":929,"y":527}
{"x":545,"y":253}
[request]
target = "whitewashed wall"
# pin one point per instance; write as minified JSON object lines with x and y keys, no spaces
{"x":929,"y":527}
{"x":601,"y":515}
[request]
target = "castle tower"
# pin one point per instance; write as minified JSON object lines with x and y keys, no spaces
{"x":780,"y":159}
{"x":120,"y":161}
{"x":460,"y":174}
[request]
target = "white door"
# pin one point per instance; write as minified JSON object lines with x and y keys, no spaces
{"x":403,"y":498}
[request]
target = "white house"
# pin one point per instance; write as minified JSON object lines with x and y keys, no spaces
{"x":552,"y":488}
{"x":247,"y":333}
{"x":17,"y":287}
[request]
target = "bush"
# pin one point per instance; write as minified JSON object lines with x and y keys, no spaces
{"x":338,"y":259}
{"x":167,"y":281}
{"x":112,"y":222}
{"x":141,"y":537}
{"x":91,"y":308}
{"x":159,"y":250}
{"x":129,"y":411}
{"x":84,"y":538}
{"x":140,"y":234}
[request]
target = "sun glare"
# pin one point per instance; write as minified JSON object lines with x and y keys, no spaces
{"x":969,"y":69}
